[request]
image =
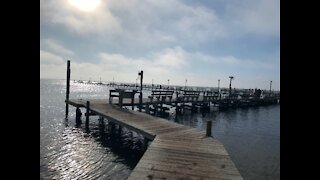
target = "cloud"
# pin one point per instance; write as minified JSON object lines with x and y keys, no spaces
{"x":166,"y":22}
{"x":47,"y":58}
{"x":174,"y":58}
{"x":55,"y":47}
{"x":238,"y":62}
{"x":51,"y":65}
{"x":156,"y":65}
{"x":60,"y":12}
{"x":168,"y":39}
{"x":175,"y":64}
{"x":259,"y":17}
{"x":145,"y":22}
{"x":136,"y":22}
{"x":160,"y":66}
{"x":115,"y":59}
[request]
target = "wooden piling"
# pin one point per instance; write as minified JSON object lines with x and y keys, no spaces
{"x":101,"y":120}
{"x":119,"y":130}
{"x":193,"y":108}
{"x":147,"y":108}
{"x":176,"y":103}
{"x":132,"y":100}
{"x":78,"y":116}
{"x":111,"y":127}
{"x":209,"y":126}
{"x":68,"y":88}
{"x":155,"y":109}
{"x":140,"y":97}
{"x":120,"y":99}
{"x":87,"y":114}
{"x":161,"y":106}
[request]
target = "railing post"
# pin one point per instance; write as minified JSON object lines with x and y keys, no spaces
{"x":68,"y":88}
{"x":209,"y":126}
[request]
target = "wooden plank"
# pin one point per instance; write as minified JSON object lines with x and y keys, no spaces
{"x":183,"y":160}
{"x":187,"y":144}
{"x":174,"y":157}
{"x":177,"y":174}
{"x":201,"y":152}
{"x":191,"y":169}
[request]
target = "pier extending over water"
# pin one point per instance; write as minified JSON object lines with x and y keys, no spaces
{"x":175,"y":151}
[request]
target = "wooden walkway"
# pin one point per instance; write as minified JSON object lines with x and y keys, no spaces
{"x":176,"y":152}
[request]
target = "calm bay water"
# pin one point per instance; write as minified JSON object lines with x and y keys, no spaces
{"x":250,"y":135}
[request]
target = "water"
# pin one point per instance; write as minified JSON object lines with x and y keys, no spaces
{"x":250,"y":135}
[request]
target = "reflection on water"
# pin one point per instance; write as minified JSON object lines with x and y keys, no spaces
{"x":250,"y":135}
{"x":68,"y":152}
{"x":99,"y":154}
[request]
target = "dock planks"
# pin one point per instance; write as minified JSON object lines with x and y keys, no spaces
{"x":176,"y":152}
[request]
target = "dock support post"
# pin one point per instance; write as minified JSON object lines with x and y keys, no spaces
{"x":119,"y":129}
{"x":206,"y":107}
{"x":161,"y":106}
{"x":68,"y":88}
{"x":102,"y":126}
{"x":132,"y":101}
{"x":120,"y":99}
{"x":87,"y":114}
{"x":109,"y":126}
{"x":78,"y":116}
{"x":193,"y":108}
{"x":101,"y":120}
{"x":209,"y":126}
{"x":176,"y":103}
{"x":147,"y":108}
{"x":155,"y":109}
{"x":140,"y":97}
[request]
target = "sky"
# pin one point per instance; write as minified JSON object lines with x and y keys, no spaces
{"x":176,"y":40}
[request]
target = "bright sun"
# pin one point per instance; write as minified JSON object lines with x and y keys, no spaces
{"x":85,"y":5}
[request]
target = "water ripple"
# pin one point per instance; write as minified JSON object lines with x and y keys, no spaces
{"x":78,"y":155}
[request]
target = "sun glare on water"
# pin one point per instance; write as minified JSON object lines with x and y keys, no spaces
{"x":85,"y":5}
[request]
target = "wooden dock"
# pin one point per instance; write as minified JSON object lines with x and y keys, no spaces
{"x":176,"y":151}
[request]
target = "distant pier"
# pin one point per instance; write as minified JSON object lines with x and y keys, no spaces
{"x":191,"y":98}
{"x":222,"y":98}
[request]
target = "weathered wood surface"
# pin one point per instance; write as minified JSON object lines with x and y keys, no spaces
{"x":176,"y":152}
